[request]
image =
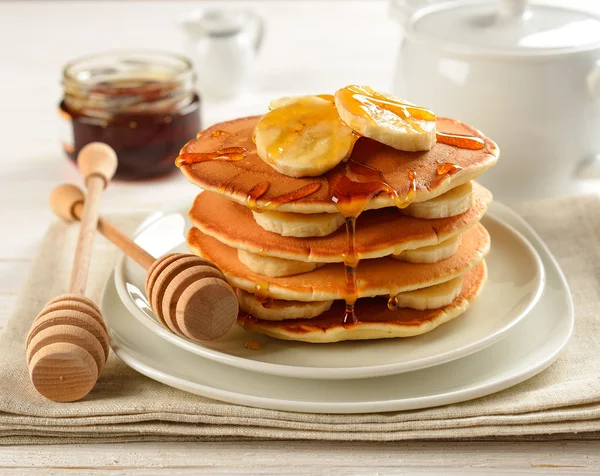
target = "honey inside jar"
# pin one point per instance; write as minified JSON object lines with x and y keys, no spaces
{"x":142,"y":104}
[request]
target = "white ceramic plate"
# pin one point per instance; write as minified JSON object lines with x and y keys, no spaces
{"x":515,"y":282}
{"x":530,"y":347}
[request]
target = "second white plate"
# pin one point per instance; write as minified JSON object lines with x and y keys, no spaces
{"x":516,"y":279}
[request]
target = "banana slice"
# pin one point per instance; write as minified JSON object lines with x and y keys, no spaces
{"x":454,"y":202}
{"x":431,"y":254}
{"x":386,"y":118}
{"x":276,"y":267}
{"x":286,"y":101}
{"x":432,"y":297}
{"x":298,"y":224}
{"x":303,"y":137}
{"x":280,"y":310}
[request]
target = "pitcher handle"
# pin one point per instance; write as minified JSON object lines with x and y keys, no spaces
{"x":258,"y":25}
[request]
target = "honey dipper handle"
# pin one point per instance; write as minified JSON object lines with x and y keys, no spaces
{"x":85,"y":240}
{"x":97,"y":163}
{"x":123,"y":242}
{"x":67,"y":202}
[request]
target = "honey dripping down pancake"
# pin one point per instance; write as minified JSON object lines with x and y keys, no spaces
{"x":378,"y":321}
{"x":353,"y":183}
{"x":430,"y":297}
{"x":308,"y":225}
{"x":238,"y":173}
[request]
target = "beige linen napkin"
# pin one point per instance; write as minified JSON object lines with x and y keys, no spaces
{"x":561,"y":402}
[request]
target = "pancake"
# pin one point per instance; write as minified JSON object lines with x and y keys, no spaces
{"x":378,"y":232}
{"x":375,"y":320}
{"x":237,"y":178}
{"x":277,"y":267}
{"x":383,"y":276}
{"x":431,"y":297}
{"x":302,"y":225}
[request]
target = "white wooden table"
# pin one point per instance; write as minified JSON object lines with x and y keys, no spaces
{"x":310,"y":47}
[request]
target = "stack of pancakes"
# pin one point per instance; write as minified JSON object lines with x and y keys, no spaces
{"x":284,"y":245}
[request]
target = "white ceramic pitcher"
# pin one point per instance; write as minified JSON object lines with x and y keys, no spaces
{"x":527,"y":75}
{"x":223,"y":45}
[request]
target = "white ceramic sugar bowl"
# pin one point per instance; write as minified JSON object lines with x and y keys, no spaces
{"x":526,"y":75}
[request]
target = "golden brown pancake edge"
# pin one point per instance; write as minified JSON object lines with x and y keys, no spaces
{"x":374,"y":277}
{"x":378,"y":232}
{"x":401,"y":323}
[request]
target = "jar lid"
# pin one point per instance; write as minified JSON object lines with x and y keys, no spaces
{"x":113,"y":83}
{"x":508,"y":27}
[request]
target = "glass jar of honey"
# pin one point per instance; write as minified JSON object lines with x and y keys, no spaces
{"x":143,"y":104}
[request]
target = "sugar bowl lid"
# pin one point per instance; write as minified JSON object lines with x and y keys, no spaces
{"x":508,"y":27}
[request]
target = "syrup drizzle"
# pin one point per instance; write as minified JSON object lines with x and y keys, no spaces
{"x":261,"y":188}
{"x":248,"y":322}
{"x":255,"y":193}
{"x":261,"y":293}
{"x":351,"y":188}
{"x":327,"y":97}
{"x":350,"y":265}
{"x":219,"y":133}
{"x":253,"y":345}
{"x":228,"y":154}
{"x":448,"y":168}
{"x":404,"y":111}
{"x":294,"y":196}
{"x":461,"y":141}
{"x":392,"y":303}
{"x":412,"y":189}
{"x":366,"y":102}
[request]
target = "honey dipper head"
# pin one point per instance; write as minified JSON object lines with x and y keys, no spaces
{"x":63,"y":200}
{"x":207,"y":309}
{"x":190,"y":296}
{"x":63,"y":372}
{"x":67,"y":347}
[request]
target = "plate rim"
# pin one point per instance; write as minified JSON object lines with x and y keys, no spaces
{"x":445,"y":398}
{"x":286,"y":370}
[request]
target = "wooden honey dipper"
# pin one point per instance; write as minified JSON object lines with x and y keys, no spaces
{"x":188,"y":294}
{"x":67,"y":345}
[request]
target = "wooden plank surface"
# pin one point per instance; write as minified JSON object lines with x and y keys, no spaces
{"x":303,"y":458}
{"x":311,"y":46}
